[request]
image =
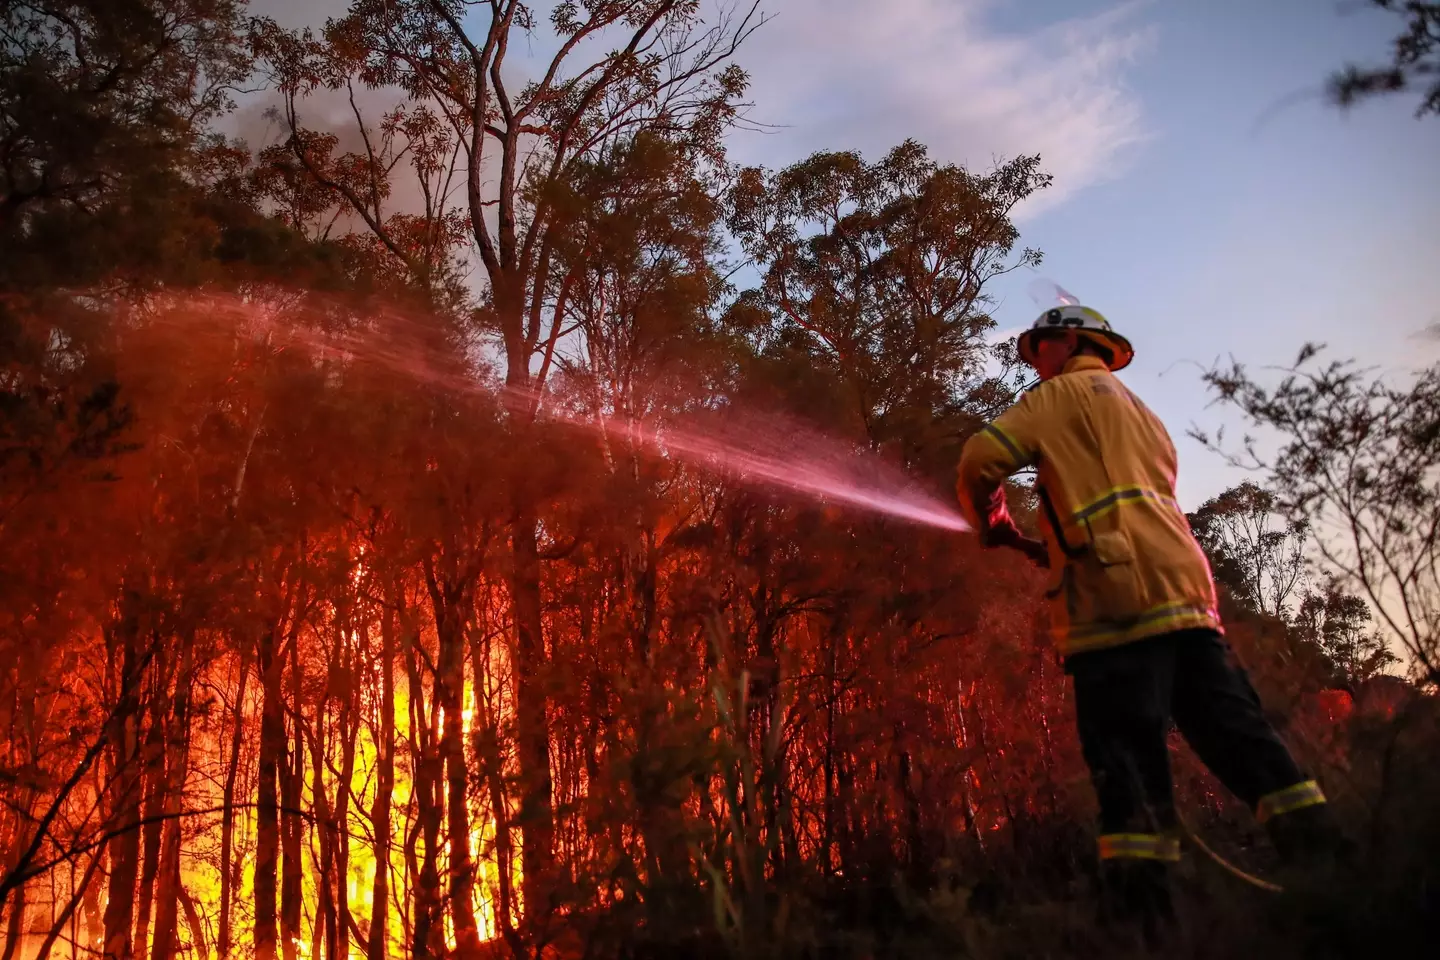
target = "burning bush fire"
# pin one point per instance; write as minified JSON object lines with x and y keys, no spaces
{"x":475,"y":518}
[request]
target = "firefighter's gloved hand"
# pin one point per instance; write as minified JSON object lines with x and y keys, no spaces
{"x":1036,"y":550}
{"x":1010,"y":536}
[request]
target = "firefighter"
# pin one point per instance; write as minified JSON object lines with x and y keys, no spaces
{"x":1133,"y":611}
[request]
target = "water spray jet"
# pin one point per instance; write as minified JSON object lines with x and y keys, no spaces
{"x":769,"y":453}
{"x":778,"y":454}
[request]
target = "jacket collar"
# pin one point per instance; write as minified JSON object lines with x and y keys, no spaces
{"x":1076,"y":364}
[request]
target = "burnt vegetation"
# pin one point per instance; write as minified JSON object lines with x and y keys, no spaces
{"x":326,"y":632}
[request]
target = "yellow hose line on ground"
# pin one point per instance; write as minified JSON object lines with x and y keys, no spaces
{"x":1229,"y":867}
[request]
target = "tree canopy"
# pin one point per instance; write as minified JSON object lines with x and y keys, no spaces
{"x":1414,"y":65}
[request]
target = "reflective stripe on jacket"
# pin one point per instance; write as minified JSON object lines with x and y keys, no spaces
{"x":1125,"y":564}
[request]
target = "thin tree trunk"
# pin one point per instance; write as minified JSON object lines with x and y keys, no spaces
{"x":449,"y":602}
{"x":462,"y":869}
{"x":427,"y":935}
{"x":323,"y":928}
{"x":291,"y":826}
{"x":267,"y":813}
{"x":227,"y":816}
{"x":192,"y":917}
{"x":167,"y":894}
{"x":11,"y":855}
{"x":124,"y":818}
{"x":154,"y":774}
{"x":167,"y":902}
{"x":913,"y":838}
{"x":536,"y":800}
{"x":385,"y":785}
{"x":658,"y":806}
{"x":350,"y":732}
{"x":486,"y":749}
{"x":832,"y":703}
{"x":15,"y":929}
{"x":91,"y":914}
{"x":85,"y":884}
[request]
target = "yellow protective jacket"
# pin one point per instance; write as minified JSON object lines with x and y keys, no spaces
{"x":1125,"y":564}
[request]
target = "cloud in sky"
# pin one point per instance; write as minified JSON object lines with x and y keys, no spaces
{"x":843,"y":74}
{"x":862,"y":74}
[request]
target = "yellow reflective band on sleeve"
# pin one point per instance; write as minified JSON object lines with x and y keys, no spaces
{"x":1112,"y":499}
{"x":1304,"y":794}
{"x":1139,"y":846}
{"x":1017,"y":455}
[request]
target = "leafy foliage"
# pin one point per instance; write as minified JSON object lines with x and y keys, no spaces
{"x":102,"y":103}
{"x":1261,"y":564}
{"x":1415,"y":61}
{"x":1340,"y":625}
{"x":1359,"y":460}
{"x":877,"y":274}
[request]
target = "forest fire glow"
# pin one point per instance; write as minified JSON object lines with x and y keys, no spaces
{"x":359,"y":864}
{"x":401,"y":553}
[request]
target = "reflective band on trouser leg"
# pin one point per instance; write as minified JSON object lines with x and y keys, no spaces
{"x":1139,"y":846}
{"x":1304,"y":794}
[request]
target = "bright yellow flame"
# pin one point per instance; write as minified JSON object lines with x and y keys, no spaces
{"x":209,"y":760}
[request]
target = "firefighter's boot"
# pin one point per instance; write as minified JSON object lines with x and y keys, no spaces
{"x":1135,"y":896}
{"x":1308,"y":841}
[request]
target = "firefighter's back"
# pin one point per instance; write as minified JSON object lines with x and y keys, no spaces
{"x":1108,"y":467}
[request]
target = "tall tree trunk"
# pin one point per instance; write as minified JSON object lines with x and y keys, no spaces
{"x":12,"y":849}
{"x":15,"y":928}
{"x":340,"y":829}
{"x":124,"y":819}
{"x":267,"y":812}
{"x":462,"y":868}
{"x":91,"y":913}
{"x":535,"y":819}
{"x":323,"y":928}
{"x":427,"y":934}
{"x":291,"y":826}
{"x":154,"y":773}
{"x":227,"y":816}
{"x":81,"y":892}
{"x":832,"y":705}
{"x":657,"y":808}
{"x":192,"y":917}
{"x":485,"y":737}
{"x":905,"y":780}
{"x":450,"y":602}
{"x":384,"y":786}
{"x":167,"y":894}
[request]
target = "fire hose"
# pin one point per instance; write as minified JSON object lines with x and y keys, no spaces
{"x":1226,"y":865}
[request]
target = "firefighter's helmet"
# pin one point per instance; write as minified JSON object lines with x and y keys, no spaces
{"x":1087,"y":323}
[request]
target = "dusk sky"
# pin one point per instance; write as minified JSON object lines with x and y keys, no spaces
{"x":1206,"y":200}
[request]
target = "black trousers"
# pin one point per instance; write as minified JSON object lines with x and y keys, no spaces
{"x":1125,"y":699}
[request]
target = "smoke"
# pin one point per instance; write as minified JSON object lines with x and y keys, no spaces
{"x":764,"y":452}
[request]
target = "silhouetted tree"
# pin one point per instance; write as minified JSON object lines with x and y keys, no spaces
{"x":1260,"y":557}
{"x":1415,"y":61}
{"x":1359,"y":460}
{"x":1341,"y":625}
{"x":877,"y":274}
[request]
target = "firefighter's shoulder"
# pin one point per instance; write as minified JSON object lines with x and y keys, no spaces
{"x":1057,"y":393}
